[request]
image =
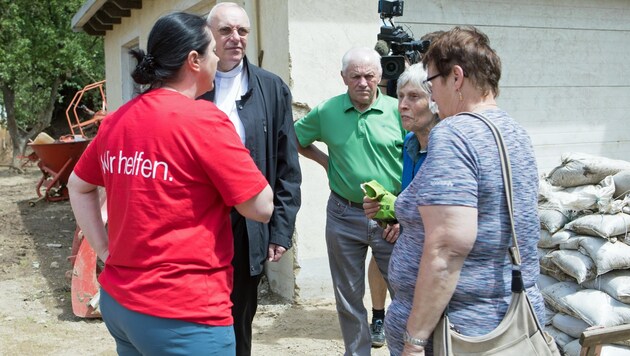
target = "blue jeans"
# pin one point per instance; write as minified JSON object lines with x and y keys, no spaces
{"x":142,"y":334}
{"x":348,"y":235}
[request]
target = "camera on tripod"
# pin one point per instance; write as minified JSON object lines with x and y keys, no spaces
{"x":394,"y":44}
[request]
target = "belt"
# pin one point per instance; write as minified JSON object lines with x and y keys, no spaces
{"x":346,"y":201}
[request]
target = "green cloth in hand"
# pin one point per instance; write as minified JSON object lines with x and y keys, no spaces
{"x":374,"y":190}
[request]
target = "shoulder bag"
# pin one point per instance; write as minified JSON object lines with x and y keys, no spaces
{"x":519,"y":333}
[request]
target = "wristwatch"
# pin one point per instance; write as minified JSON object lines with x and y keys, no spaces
{"x":413,"y":341}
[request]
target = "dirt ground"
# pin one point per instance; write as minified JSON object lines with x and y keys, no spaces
{"x":36,"y":315}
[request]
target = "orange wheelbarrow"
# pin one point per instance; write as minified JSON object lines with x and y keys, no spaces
{"x":56,"y":161}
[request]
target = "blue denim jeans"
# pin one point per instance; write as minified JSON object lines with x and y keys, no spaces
{"x":142,"y":334}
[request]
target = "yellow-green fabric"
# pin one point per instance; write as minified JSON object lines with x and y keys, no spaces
{"x":361,"y":146}
{"x":374,"y":190}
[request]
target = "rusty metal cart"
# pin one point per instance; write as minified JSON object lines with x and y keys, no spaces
{"x":56,"y":161}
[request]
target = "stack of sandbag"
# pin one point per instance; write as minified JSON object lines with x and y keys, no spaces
{"x":584,"y":248}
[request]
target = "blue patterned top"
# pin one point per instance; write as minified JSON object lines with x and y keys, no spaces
{"x":462,"y":168}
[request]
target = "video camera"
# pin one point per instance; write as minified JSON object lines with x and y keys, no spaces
{"x":394,"y":44}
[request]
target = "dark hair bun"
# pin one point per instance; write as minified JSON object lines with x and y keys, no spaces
{"x":145,"y":70}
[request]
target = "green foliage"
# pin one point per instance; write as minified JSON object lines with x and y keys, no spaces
{"x":38,"y":46}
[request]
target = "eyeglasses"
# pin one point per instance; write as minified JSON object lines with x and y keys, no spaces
{"x":427,"y":82}
{"x":227,"y":31}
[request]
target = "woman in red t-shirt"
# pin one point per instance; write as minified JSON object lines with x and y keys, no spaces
{"x":172,"y":167}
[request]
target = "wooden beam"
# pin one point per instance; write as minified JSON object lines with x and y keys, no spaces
{"x":128,"y":4}
{"x":105,"y":19}
{"x":92,"y":31}
{"x":98,"y":26}
{"x":607,"y":335}
{"x":112,"y":10}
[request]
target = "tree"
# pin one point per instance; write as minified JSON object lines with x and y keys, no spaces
{"x":40,"y":54}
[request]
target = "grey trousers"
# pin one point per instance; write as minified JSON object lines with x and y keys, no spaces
{"x":348,"y":235}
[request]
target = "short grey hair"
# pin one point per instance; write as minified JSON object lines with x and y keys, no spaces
{"x":214,"y":9}
{"x":362,"y":55}
{"x":415,"y":75}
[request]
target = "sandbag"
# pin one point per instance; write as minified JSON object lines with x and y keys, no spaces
{"x":552,"y":220}
{"x":620,"y":205}
{"x":584,"y":197}
{"x":603,"y":225}
{"x":561,"y":338}
{"x":575,"y":264}
{"x":544,"y":190}
{"x":607,"y":256}
{"x":545,"y":281}
{"x":572,"y":243}
{"x":614,"y":283}
{"x":548,"y":268}
{"x":559,"y":238}
{"x":549,"y":314}
{"x":622,"y":184}
{"x":569,"y":325}
{"x":554,"y":293}
{"x":592,"y":306}
{"x":545,"y":240}
{"x":581,"y":169}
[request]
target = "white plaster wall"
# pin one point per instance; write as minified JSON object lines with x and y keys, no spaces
{"x":138,"y":26}
{"x":565,"y":72}
{"x":320,"y":32}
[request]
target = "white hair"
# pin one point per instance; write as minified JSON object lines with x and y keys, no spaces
{"x":362,"y":55}
{"x":214,"y":9}
{"x":415,"y":75}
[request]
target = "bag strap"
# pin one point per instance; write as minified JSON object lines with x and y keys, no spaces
{"x":514,"y":252}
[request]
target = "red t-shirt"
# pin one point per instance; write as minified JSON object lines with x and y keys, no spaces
{"x":172,"y":168}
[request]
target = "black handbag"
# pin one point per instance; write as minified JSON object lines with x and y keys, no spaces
{"x":519,"y":333}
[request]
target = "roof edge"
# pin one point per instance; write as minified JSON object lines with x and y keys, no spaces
{"x":85,"y":13}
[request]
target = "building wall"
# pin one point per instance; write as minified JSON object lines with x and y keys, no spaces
{"x":565,"y":73}
{"x":134,"y":31}
{"x":320,"y":32}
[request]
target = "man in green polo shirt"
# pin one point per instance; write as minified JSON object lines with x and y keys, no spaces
{"x":364,"y":135}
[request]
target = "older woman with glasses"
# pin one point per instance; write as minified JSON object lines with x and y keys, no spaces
{"x":456,"y":230}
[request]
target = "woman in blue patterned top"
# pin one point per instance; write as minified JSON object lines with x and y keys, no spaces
{"x":455,"y":225}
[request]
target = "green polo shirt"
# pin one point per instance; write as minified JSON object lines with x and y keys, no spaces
{"x":361,"y":146}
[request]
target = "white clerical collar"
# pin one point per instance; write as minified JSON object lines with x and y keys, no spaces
{"x":232,"y":72}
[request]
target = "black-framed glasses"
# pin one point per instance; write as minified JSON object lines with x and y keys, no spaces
{"x":427,"y":82}
{"x":227,"y":31}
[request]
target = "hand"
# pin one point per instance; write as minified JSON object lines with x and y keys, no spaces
{"x":275,"y":252}
{"x":413,"y":350}
{"x":391,"y":232}
{"x":370,"y":207}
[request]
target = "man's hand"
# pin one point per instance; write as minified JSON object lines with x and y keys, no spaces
{"x":391,"y":232}
{"x":370,"y":207}
{"x":275,"y":252}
